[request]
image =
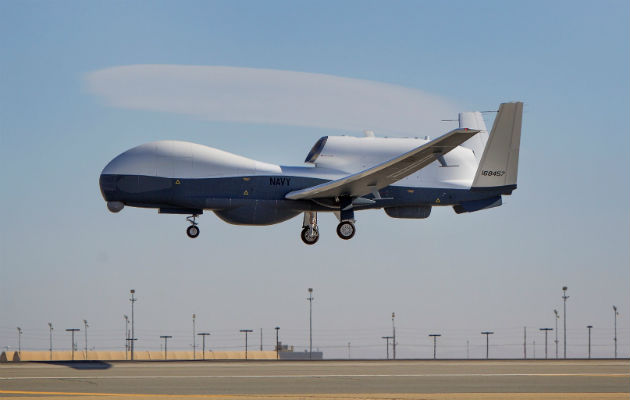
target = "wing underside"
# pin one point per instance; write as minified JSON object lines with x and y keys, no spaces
{"x":388,"y":172}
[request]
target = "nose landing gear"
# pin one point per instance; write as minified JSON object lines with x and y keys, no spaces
{"x":193,"y":229}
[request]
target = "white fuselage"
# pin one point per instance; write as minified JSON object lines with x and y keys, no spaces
{"x":342,"y":155}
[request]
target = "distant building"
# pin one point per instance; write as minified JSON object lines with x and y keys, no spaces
{"x":287,"y":352}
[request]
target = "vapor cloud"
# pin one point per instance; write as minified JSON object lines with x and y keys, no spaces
{"x":269,"y":96}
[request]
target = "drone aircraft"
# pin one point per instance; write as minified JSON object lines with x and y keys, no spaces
{"x":466,"y":168}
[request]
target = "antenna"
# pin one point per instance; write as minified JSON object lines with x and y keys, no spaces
{"x":482,"y":112}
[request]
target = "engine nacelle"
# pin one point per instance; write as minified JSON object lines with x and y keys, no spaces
{"x":351,"y":154}
{"x":411,"y":212}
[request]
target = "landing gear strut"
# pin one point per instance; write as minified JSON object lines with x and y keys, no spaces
{"x":193,"y":229}
{"x":310,"y":231}
{"x":346,"y":229}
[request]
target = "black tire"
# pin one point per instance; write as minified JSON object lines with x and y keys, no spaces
{"x":192,"y":231}
{"x":309,"y":240}
{"x":346,"y":230}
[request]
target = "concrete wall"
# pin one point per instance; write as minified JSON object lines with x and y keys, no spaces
{"x":13,"y":356}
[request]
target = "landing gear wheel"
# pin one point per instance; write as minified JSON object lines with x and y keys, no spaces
{"x":309,"y":238}
{"x":346,"y":230}
{"x":192,"y":231}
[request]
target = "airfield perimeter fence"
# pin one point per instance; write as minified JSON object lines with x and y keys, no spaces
{"x":506,"y":342}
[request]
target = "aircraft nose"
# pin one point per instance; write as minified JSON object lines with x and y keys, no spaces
{"x":111,"y":174}
{"x":110,"y":192}
{"x":107,"y":184}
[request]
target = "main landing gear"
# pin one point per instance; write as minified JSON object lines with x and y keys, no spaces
{"x":193,"y":229}
{"x":310,"y":231}
{"x":346,"y":230}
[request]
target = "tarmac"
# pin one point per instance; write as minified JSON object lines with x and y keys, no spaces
{"x":289,"y":380}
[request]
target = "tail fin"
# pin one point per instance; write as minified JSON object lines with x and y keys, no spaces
{"x":474,"y":120}
{"x":499,"y":164}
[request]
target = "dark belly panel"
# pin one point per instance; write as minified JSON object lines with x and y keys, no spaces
{"x":258,"y":212}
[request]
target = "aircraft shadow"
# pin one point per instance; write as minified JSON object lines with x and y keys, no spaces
{"x":81,"y":365}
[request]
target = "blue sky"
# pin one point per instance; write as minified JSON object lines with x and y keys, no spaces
{"x":64,"y":257}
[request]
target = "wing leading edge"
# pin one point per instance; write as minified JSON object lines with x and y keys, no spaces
{"x":388,"y":172}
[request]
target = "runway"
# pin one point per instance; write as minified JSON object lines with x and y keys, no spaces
{"x":552,"y":379}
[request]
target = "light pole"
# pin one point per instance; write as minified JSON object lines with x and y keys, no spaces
{"x":435,"y":336}
{"x":50,"y":329}
{"x":310,"y":323}
{"x":19,"y":330}
{"x":203,"y":341}
{"x":387,"y":344}
{"x":348,"y":350}
{"x":487,"y":342}
{"x":277,"y":343}
{"x":133,"y":333}
{"x":73,"y":330}
{"x":524,"y":343}
{"x":616,"y":313}
{"x":246,"y":331}
{"x":85,"y":323}
{"x":126,"y":335}
{"x":534,"y":347}
{"x":194,"y":343}
{"x":557,"y":318}
{"x":546,"y":330}
{"x":565,"y":297}
{"x":589,"y":327}
{"x":166,"y":337}
{"x":393,"y":336}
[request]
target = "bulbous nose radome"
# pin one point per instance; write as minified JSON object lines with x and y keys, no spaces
{"x":129,"y":162}
{"x":108,"y":187}
{"x":115,"y":206}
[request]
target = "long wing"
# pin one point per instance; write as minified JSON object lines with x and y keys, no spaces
{"x":388,"y":172}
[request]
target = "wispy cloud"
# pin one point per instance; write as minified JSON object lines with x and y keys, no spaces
{"x":269,"y":96}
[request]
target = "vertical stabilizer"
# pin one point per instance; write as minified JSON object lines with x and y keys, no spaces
{"x":499,"y":163}
{"x":474,"y":120}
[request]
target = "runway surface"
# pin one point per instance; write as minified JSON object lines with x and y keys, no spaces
{"x":553,"y":379}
